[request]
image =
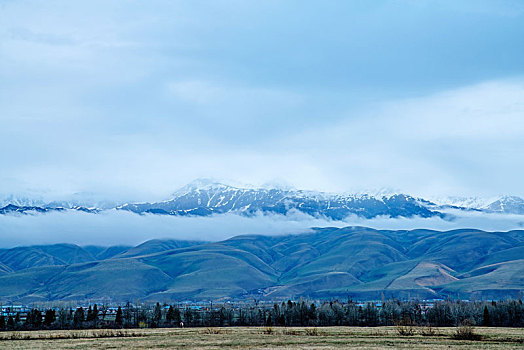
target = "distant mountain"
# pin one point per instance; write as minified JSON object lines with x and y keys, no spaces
{"x":15,"y":209}
{"x":507,"y":204}
{"x":215,"y":198}
{"x":21,"y":201}
{"x":11,"y":209}
{"x":203,"y":198}
{"x":356,"y":262}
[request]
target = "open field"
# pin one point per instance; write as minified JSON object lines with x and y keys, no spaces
{"x":256,"y":338}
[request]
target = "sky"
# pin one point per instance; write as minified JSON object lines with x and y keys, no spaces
{"x":134,"y":99}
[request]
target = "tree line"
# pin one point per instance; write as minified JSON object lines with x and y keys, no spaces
{"x":508,"y":313}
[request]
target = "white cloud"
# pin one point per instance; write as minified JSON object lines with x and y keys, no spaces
{"x":487,"y":111}
{"x":464,"y":141}
{"x":133,"y":99}
{"x":125,"y":228}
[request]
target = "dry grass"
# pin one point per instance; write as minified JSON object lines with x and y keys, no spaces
{"x":466,"y":331}
{"x":72,"y":334}
{"x":258,"y":337}
{"x":428,"y":331}
{"x":405,"y":329}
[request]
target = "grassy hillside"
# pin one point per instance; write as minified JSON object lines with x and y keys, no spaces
{"x":329,"y":262}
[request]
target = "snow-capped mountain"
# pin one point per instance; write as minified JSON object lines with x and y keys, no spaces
{"x":503,"y":204}
{"x":21,"y":201}
{"x":26,"y":204}
{"x":507,"y":204}
{"x":469,"y":203}
{"x":26,"y":209}
{"x":204,"y":197}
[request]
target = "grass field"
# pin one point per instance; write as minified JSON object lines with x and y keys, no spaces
{"x":257,"y":338}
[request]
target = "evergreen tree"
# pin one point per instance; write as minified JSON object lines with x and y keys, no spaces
{"x":64,"y":318}
{"x":94,"y":316}
{"x":486,"y":320}
{"x":157,"y":314}
{"x":33,"y":319}
{"x":178,"y":316}
{"x":170,"y":315}
{"x":49,"y":317}
{"x":118,"y":318}
{"x":282,"y":320}
{"x":312,"y":313}
{"x":89,"y":316}
{"x":10,"y":323}
{"x":2,"y":322}
{"x":188,"y":316}
{"x":79,"y":317}
{"x":269,"y":323}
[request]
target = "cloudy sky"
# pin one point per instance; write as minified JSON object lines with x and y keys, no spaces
{"x":136,"y":98}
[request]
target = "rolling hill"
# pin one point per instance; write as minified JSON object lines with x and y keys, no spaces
{"x":357,"y":262}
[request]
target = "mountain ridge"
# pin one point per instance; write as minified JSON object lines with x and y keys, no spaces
{"x":204,"y":198}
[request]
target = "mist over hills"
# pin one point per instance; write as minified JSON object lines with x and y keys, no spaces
{"x":204,"y":198}
{"x":358,"y":262}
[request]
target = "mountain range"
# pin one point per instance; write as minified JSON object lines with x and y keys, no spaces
{"x":203,"y":198}
{"x":356,"y":262}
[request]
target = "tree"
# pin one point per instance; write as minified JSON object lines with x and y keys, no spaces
{"x":128,"y":315}
{"x":95,"y":315}
{"x":486,"y":320}
{"x":178,"y":316}
{"x":312,"y":313}
{"x":92,"y":314}
{"x":118,"y":318}
{"x":10,"y":323}
{"x":89,"y":316}
{"x":33,"y":319}
{"x":157,"y":315}
{"x":2,"y":322}
{"x":49,"y":317}
{"x":188,"y":316}
{"x":170,"y":315}
{"x":78,"y":318}
{"x":269,"y":323}
{"x":64,"y":318}
{"x":282,"y":320}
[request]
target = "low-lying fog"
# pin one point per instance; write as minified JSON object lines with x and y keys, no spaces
{"x":121,"y":227}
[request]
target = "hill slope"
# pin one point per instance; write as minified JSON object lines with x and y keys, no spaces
{"x":358,"y":262}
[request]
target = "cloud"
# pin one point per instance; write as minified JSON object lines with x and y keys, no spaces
{"x":120,"y":227}
{"x":463,"y":141}
{"x":125,"y":228}
{"x":132,"y":100}
{"x":483,"y":112}
{"x":234,"y":114}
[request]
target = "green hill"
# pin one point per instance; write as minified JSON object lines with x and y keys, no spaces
{"x":355,"y":262}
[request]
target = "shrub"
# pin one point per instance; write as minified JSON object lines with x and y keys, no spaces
{"x":428,"y":331}
{"x":268,"y":330}
{"x":210,"y":330}
{"x":405,"y":328}
{"x":466,"y":331}
{"x":289,"y":332}
{"x":312,"y":332}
